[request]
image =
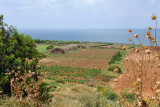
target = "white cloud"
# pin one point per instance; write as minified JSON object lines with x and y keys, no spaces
{"x":92,"y":5}
{"x":54,"y":6}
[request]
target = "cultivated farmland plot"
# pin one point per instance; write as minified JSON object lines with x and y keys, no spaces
{"x":85,"y":58}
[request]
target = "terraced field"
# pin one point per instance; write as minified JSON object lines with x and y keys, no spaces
{"x":85,"y":58}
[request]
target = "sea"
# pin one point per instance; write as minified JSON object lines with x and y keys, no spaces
{"x":90,"y":35}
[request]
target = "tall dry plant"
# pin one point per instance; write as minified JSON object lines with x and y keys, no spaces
{"x":27,"y":84}
{"x":146,"y":58}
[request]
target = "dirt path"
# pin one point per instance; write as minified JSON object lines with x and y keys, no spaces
{"x":127,"y":79}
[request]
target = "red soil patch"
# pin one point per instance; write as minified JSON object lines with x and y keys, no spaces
{"x":86,"y":58}
{"x":126,"y":80}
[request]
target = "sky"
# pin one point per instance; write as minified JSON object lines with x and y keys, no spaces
{"x":80,"y":14}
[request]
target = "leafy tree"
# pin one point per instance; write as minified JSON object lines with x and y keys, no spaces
{"x":14,"y":49}
{"x":49,"y":47}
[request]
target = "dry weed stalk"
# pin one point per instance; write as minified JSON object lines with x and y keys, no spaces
{"x":25,"y":85}
{"x":146,"y":58}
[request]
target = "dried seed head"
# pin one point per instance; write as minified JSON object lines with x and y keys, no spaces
{"x":30,"y":61}
{"x":38,"y":77}
{"x":38,"y":66}
{"x":124,"y":48}
{"x":12,"y":71}
{"x":139,"y":80}
{"x":30,"y":71}
{"x":29,"y":75}
{"x":126,"y":59}
{"x":157,"y":91}
{"x":19,"y":72}
{"x":158,"y":83}
{"x":130,"y":39}
{"x":1,"y":92}
{"x":148,"y":51}
{"x":149,"y":37}
{"x":27,"y":59}
{"x":16,"y":74}
{"x":136,"y":35}
{"x":148,"y":33}
{"x":154,"y":17}
{"x":6,"y":73}
{"x":115,"y":80}
{"x":154,"y":41}
{"x":136,"y":103}
{"x":19,"y":67}
{"x":116,"y":70}
{"x":136,"y":50}
{"x":149,"y":28}
{"x":17,"y":79}
{"x":33,"y":73}
{"x":129,"y":30}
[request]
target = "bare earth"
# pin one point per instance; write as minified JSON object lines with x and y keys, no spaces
{"x":126,"y":80}
{"x":85,"y":58}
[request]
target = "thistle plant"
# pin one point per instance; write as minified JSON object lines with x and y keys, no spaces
{"x":147,"y":57}
{"x":27,"y":84}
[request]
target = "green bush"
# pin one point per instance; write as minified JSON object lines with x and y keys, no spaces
{"x":111,"y":95}
{"x":14,"y":49}
{"x":44,"y":92}
{"x":130,"y":97}
{"x":116,"y":58}
{"x":113,"y":67}
{"x":49,"y":47}
{"x":100,"y":87}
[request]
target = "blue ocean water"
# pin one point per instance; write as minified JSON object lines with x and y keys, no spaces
{"x":91,"y":35}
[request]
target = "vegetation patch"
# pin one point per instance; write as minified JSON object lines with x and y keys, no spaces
{"x":72,"y":74}
{"x":114,"y":68}
{"x":60,"y":80}
{"x":49,"y":47}
{"x":117,"y":58}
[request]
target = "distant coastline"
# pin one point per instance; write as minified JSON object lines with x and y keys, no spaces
{"x":86,"y":35}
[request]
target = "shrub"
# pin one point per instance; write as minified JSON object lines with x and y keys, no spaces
{"x":130,"y":97}
{"x":49,"y":47}
{"x":100,"y":87}
{"x":44,"y":92}
{"x":116,"y":58}
{"x":114,"y":67}
{"x":111,"y":95}
{"x":14,"y":49}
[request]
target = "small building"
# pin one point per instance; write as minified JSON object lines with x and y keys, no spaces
{"x":64,"y":49}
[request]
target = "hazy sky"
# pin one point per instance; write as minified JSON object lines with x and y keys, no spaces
{"x":80,"y":14}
